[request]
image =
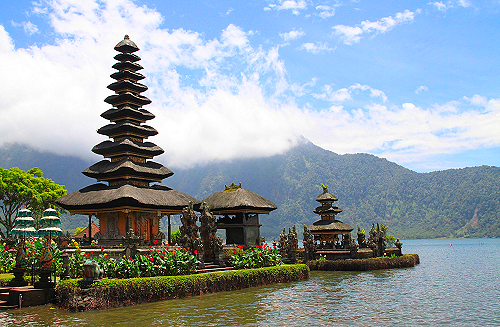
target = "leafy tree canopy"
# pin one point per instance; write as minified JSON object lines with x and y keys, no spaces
{"x":28,"y":189}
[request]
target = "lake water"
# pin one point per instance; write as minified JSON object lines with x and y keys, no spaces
{"x":456,"y":284}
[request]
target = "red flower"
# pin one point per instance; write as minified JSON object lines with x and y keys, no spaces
{"x":173,"y":252}
{"x":155,"y":241}
{"x":195,"y":251}
{"x":235,"y":251}
{"x":187,"y":248}
{"x":164,"y":251}
{"x":6,"y":247}
{"x":149,"y":247}
{"x":131,"y":259}
{"x":161,"y":256}
{"x":102,"y":249}
{"x":241,"y":247}
{"x":151,"y":259}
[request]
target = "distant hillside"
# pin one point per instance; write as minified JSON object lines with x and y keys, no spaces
{"x":451,"y":203}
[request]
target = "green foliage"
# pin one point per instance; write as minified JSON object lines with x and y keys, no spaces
{"x":174,"y":235}
{"x":258,"y":257}
{"x":7,"y":259}
{"x":25,"y":189}
{"x":75,"y":262}
{"x":155,"y":263}
{"x":109,"y":293}
{"x":34,"y":250}
{"x":78,"y":230}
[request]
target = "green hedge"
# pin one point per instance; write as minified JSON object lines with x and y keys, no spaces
{"x":5,"y":279}
{"x":407,"y":260}
{"x":109,"y":293}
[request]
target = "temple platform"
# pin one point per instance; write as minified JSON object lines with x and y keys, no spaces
{"x":26,"y":296}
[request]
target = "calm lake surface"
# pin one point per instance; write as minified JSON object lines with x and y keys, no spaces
{"x":456,"y":284}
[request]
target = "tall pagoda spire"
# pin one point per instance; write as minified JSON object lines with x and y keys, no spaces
{"x":127,"y":150}
{"x":128,"y":202}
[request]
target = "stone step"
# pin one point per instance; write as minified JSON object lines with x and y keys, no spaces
{"x":4,"y":305}
{"x":4,"y":296}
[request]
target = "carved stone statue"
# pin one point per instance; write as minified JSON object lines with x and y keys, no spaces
{"x":309,"y":245}
{"x":189,"y":230}
{"x":21,"y":261}
{"x":283,"y":244}
{"x":292,"y":247}
{"x":208,"y":230}
{"x":46,"y":256}
{"x":361,"y":239}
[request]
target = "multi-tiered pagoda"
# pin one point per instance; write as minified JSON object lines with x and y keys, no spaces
{"x":328,"y":229}
{"x":129,"y":203}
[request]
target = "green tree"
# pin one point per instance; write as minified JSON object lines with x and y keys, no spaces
{"x":28,"y":189}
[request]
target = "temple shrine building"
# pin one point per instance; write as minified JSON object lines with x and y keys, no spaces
{"x":237,"y":211}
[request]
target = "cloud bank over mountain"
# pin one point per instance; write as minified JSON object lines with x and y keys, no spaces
{"x":223,"y":97}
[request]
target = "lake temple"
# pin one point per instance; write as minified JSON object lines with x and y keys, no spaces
{"x":126,"y":201}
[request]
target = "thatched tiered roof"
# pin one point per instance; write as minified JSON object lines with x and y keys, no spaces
{"x":328,"y":226}
{"x":236,"y":199}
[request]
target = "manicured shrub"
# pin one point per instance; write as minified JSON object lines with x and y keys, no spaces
{"x":407,"y":260}
{"x":109,"y":293}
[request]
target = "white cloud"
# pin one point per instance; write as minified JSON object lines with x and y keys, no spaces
{"x":325,"y":11}
{"x":421,"y":88}
{"x":232,"y":99}
{"x":292,"y":35}
{"x":318,"y":47}
{"x":293,"y":5}
{"x":441,"y":6}
{"x":345,"y":94}
{"x":352,"y":34}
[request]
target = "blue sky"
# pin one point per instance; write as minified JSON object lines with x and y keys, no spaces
{"x":415,"y":82}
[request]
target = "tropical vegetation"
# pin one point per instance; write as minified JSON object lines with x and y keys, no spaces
{"x":28,"y":189}
{"x":258,"y":257}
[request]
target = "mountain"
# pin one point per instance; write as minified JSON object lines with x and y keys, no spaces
{"x":451,"y":203}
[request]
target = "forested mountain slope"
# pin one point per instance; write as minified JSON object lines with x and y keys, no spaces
{"x":450,"y":203}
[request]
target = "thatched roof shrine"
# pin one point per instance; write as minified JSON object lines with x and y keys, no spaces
{"x":234,"y":198}
{"x":238,"y":210}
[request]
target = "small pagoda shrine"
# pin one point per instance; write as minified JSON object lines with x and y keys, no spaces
{"x":24,"y":224}
{"x":328,"y":232}
{"x":238,"y":213}
{"x":129,"y":206}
